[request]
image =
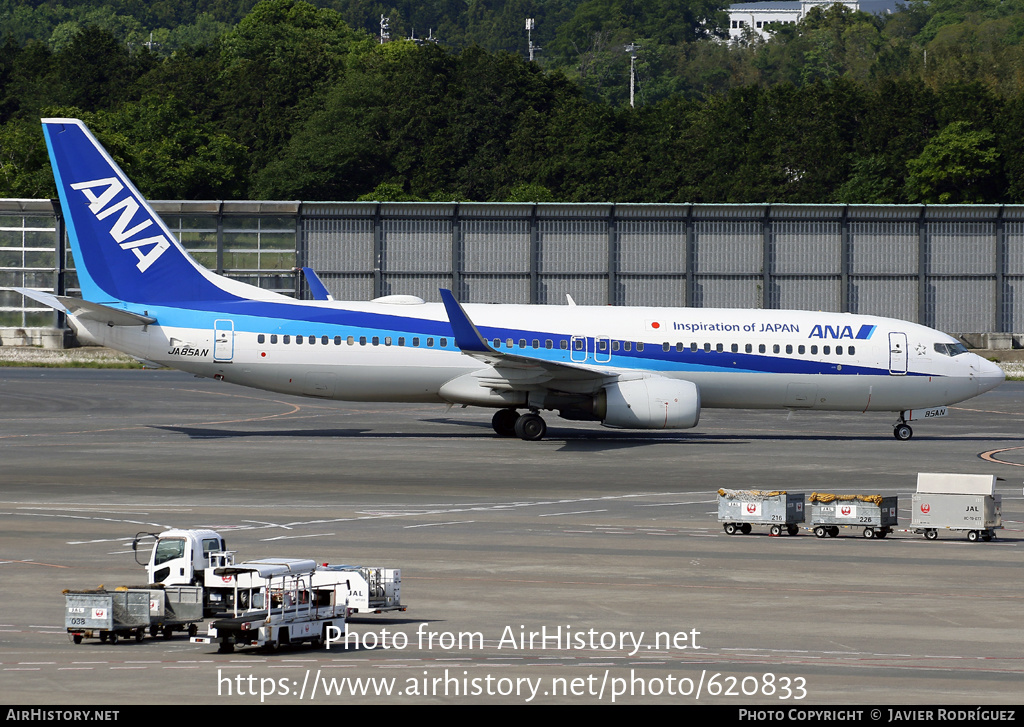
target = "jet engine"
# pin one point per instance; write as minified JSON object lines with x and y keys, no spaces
{"x":650,"y":402}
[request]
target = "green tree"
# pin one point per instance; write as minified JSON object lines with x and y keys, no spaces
{"x":958,"y":166}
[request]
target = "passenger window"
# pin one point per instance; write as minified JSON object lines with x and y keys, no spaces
{"x":509,"y":342}
{"x":761,"y":348}
{"x":839,"y":350}
{"x":749,"y":348}
{"x":261,"y":338}
{"x":337,"y":340}
{"x":578,"y":344}
{"x":789,"y":348}
{"x":401,"y":340}
{"x":801,"y":349}
{"x":416,"y":341}
{"x":273,"y":338}
{"x":615,"y":345}
{"x":522,"y":343}
{"x":536,"y":343}
{"x":444,"y":342}
{"x":496,"y":343}
{"x":602,"y":345}
{"x":707,"y":347}
{"x":564,"y":345}
{"x":286,"y":339}
{"x":851,"y":351}
{"x":351,"y":340}
{"x":324,"y":340}
{"x":430,"y":342}
{"x":826,"y":350}
{"x":735,"y":348}
{"x":298,"y":340}
{"x":639,"y":345}
{"x":548,"y":343}
{"x":679,"y":347}
{"x":387,"y":340}
{"x":775,"y":348}
{"x":375,"y":340}
{"x":362,"y":340}
{"x":666,"y":346}
{"x":719,"y":347}
{"x":814,"y":350}
{"x":627,"y":346}
{"x":693,"y":347}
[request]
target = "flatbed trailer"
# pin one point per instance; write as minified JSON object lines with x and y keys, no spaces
{"x":874,"y":515}
{"x":739,"y":510}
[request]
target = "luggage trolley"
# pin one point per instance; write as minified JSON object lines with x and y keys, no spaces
{"x":877,"y":515}
{"x":738,"y":510}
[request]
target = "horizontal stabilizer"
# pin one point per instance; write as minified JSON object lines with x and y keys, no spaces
{"x":85,"y":310}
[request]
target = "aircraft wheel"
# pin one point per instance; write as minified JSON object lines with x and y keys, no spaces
{"x":820,"y":531}
{"x":745,"y":528}
{"x":902,"y":432}
{"x":730,"y":528}
{"x":972,"y":535}
{"x":531,"y":427}
{"x":869,"y":533}
{"x":504,"y":422}
{"x":931,"y":534}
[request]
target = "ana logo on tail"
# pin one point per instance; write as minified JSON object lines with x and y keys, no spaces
{"x":101,"y":206}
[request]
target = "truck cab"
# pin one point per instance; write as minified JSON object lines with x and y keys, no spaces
{"x":179,"y":557}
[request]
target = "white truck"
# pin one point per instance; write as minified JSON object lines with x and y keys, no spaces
{"x":201,"y":557}
{"x":286,"y":606}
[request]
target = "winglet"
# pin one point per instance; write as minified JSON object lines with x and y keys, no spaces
{"x":467,"y":337}
{"x":316,"y":286}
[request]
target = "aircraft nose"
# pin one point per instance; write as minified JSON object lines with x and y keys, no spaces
{"x":989,"y":375}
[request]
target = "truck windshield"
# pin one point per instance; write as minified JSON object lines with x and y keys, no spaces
{"x":168,"y":549}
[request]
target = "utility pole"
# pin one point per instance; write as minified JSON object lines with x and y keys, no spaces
{"x":632,"y":48}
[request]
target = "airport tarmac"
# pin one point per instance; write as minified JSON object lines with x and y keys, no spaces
{"x":605,"y":542}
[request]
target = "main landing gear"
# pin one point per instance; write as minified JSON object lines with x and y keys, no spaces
{"x":510,"y":423}
{"x":902,"y":430}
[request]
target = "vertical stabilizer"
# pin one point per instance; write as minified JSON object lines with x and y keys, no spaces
{"x":123,"y":250}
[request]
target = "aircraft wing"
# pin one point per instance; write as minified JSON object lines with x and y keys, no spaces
{"x":86,"y":310}
{"x":509,"y":370}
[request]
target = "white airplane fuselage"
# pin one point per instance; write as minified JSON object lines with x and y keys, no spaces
{"x":897,"y":368}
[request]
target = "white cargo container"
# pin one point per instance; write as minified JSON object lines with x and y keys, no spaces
{"x":964,"y":503}
{"x":738,"y":510}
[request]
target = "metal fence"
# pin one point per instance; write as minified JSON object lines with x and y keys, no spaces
{"x":956,"y":268}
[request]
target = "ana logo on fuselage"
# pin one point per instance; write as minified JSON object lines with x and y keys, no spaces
{"x":103,"y":206}
{"x":837,"y":332}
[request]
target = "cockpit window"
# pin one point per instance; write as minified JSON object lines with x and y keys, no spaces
{"x":950,"y":349}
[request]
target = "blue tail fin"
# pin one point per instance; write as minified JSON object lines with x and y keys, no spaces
{"x":123,"y":250}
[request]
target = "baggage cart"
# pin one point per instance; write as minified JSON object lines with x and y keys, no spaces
{"x":107,"y":614}
{"x":874,"y":514}
{"x":964,"y":503}
{"x":179,"y":608}
{"x":738,"y":510}
{"x":977,"y":515}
